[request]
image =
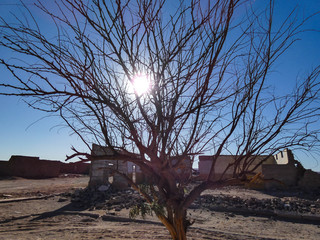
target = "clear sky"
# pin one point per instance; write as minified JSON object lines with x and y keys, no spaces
{"x":24,"y":131}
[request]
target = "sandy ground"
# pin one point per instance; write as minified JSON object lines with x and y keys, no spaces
{"x":32,"y":187}
{"x":55,"y":217}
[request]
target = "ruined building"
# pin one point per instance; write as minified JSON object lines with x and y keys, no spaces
{"x":102,"y":169}
{"x":280,"y":170}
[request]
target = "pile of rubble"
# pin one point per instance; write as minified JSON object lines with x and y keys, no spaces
{"x":235,"y":203}
{"x":106,"y":198}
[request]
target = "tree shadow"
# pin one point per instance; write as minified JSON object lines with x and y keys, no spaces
{"x":73,"y":209}
{"x":68,"y":209}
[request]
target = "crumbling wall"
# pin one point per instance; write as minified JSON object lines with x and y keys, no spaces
{"x":102,"y":170}
{"x":135,"y":173}
{"x":205,"y":164}
{"x":310,"y":180}
{"x":98,"y":173}
{"x":222,"y":162}
{"x":287,"y":174}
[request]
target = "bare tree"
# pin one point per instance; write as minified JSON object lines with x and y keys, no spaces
{"x":208,"y":87}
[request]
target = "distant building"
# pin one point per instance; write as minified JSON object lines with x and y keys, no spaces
{"x":31,"y":167}
{"x":34,"y":167}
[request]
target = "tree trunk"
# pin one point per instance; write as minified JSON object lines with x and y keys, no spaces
{"x":178,"y":227}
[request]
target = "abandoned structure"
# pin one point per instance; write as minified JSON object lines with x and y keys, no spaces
{"x":287,"y":170}
{"x":282,"y":169}
{"x":277,"y":171}
{"x":222,"y":162}
{"x":102,"y":169}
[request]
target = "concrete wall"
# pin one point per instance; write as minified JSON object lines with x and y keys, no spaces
{"x":135,"y":173}
{"x":286,"y":174}
{"x":310,"y":181}
{"x":98,"y":150}
{"x":205,"y":164}
{"x":222,"y":162}
{"x":100,"y":172}
{"x":281,"y":169}
{"x":284,"y":157}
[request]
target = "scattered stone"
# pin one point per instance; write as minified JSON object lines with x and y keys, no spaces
{"x":118,"y":209}
{"x":111,"y":213}
{"x":103,"y":188}
{"x":62,"y":199}
{"x":7,"y":196}
{"x":88,"y":220}
{"x":253,"y":204}
{"x":106,"y":198}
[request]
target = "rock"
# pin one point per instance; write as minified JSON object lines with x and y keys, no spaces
{"x":111,"y":213}
{"x":117,"y":209}
{"x":100,"y":205}
{"x":104,"y":188}
{"x":93,"y":198}
{"x":75,"y":199}
{"x":287,"y":206}
{"x":6,"y":195}
{"x":77,"y":192}
{"x":62,"y":199}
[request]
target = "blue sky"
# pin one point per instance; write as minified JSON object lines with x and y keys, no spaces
{"x":24,"y":131}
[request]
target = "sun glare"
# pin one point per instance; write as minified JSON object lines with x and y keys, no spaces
{"x":141,"y":84}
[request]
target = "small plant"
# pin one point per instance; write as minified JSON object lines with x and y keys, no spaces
{"x":144,"y":208}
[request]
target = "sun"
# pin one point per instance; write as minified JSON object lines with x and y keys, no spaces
{"x":141,"y":84}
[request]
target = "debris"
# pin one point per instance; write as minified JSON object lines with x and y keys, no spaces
{"x":108,"y":199}
{"x":103,"y":188}
{"x":6,"y":195}
{"x":62,"y":199}
{"x":267,"y":205}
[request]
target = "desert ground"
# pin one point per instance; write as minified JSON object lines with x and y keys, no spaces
{"x":53,"y":209}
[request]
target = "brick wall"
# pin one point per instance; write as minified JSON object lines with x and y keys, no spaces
{"x":33,"y":167}
{"x":75,"y":168}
